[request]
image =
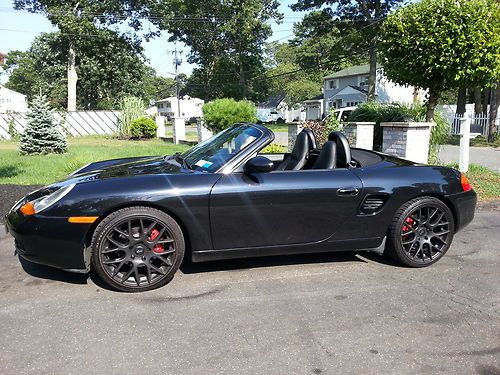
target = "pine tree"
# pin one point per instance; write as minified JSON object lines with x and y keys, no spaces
{"x":42,"y":134}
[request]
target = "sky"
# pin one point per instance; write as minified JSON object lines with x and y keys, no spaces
{"x":19,"y":28}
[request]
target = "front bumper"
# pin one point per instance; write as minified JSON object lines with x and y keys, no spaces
{"x":464,"y":205}
{"x":51,"y":241}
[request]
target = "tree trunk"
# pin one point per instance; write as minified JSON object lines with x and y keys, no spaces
{"x":494,"y":104}
{"x":461,"y":100}
{"x":486,"y":100}
{"x":478,"y":102}
{"x":242,"y":80}
{"x":372,"y":79}
{"x":432,"y":102}
{"x":72,"y":76}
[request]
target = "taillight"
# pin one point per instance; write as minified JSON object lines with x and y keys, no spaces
{"x":466,"y":186}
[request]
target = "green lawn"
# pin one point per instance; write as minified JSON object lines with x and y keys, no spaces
{"x":45,"y":169}
{"x":485,"y":182}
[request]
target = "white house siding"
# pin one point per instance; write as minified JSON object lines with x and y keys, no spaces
{"x":189,"y":107}
{"x":11,"y":100}
{"x":390,"y":92}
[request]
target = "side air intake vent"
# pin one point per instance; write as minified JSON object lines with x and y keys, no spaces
{"x":372,"y":204}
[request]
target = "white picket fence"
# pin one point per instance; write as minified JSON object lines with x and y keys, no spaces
{"x":478,"y":124}
{"x":76,"y":123}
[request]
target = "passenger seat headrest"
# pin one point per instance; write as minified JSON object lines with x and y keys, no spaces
{"x":343,"y":149}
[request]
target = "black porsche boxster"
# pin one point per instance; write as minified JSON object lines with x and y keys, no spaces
{"x":134,"y":220}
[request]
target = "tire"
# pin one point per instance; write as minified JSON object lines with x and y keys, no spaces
{"x":421,"y":232}
{"x":137,"y":249}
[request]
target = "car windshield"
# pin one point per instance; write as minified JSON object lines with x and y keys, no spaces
{"x":213,"y":153}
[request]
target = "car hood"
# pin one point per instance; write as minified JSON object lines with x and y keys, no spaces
{"x":127,"y":167}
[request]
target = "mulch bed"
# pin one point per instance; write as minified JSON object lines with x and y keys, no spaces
{"x":11,"y":193}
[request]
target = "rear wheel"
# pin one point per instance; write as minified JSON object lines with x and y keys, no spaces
{"x":137,"y":249}
{"x":421,"y":232}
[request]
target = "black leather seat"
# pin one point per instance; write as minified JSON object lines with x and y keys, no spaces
{"x":304,"y":144}
{"x":343,"y":149}
{"x":327,"y":158}
{"x":335,"y":153}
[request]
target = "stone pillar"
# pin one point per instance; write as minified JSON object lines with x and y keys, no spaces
{"x":160,"y":126}
{"x":293,"y":130}
{"x":408,"y":140}
{"x":204,"y":133}
{"x":179,"y":129}
{"x":359,"y":134}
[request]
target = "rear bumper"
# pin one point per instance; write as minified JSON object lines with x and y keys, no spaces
{"x":464,"y":205}
{"x":50,"y":241}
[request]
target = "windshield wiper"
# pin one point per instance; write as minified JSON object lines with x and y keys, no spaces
{"x":182,"y":160}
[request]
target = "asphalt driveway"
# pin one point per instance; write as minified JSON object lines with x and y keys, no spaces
{"x":314,"y":314}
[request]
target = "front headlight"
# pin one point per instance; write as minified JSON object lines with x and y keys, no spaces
{"x":39,"y":204}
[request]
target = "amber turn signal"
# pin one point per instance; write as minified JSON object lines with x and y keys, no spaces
{"x":27,"y":209}
{"x":82,"y":219}
{"x":466,"y":186}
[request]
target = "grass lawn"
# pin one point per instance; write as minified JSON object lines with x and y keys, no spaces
{"x":46,"y":169}
{"x":475,"y":142}
{"x":484,"y":181}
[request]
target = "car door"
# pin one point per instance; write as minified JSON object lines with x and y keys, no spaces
{"x":282,"y":207}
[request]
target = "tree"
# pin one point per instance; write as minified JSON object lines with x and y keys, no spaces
{"x":158,"y":87}
{"x":42,"y":134}
{"x":226,"y":41}
{"x":110,"y":67}
{"x":298,"y":86}
{"x":76,"y":19}
{"x":357,"y":20}
{"x":441,"y":44}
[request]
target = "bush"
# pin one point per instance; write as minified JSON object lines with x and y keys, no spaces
{"x":223,"y":113}
{"x":273,"y":148}
{"x":143,"y":127}
{"x":321,"y":130}
{"x":42,"y":134}
{"x":381,"y":112}
{"x":131,"y":108}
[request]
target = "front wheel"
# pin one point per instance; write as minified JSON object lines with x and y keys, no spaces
{"x":421,"y":232}
{"x":137,"y":249}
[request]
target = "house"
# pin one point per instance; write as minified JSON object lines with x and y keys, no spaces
{"x":189,"y":107}
{"x":349,"y":88}
{"x":11,"y":100}
{"x":314,"y":107}
{"x":276,"y":109}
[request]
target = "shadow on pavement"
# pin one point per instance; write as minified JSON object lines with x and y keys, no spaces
{"x":50,"y":273}
{"x":188,"y":267}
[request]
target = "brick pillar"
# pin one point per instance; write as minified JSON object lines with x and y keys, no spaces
{"x":204,"y":133}
{"x":293,"y":130}
{"x":408,"y":140}
{"x":359,"y":134}
{"x":179,"y":129}
{"x":160,"y":126}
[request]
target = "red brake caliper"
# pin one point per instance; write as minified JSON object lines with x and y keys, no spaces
{"x":153,"y":236}
{"x":408,"y":224}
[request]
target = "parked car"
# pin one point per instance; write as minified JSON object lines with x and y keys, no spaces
{"x":133,"y":220}
{"x":341,"y":114}
{"x":270,"y":116}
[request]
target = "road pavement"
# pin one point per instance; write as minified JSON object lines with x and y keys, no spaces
{"x":485,"y":156}
{"x":341,"y":313}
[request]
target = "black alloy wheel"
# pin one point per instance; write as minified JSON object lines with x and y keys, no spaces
{"x":421,"y":232}
{"x":137,"y":249}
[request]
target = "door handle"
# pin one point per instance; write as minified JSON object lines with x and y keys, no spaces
{"x":348,"y":191}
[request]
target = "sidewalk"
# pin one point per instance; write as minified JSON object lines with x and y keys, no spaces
{"x":486,"y":156}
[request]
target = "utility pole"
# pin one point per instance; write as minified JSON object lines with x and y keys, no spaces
{"x":177,"y":63}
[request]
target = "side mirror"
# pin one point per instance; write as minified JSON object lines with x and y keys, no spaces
{"x":259,"y":164}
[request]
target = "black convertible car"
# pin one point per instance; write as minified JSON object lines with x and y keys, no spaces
{"x":133,"y":220}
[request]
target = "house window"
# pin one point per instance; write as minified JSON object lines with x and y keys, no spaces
{"x":363,"y":80}
{"x":333,"y":84}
